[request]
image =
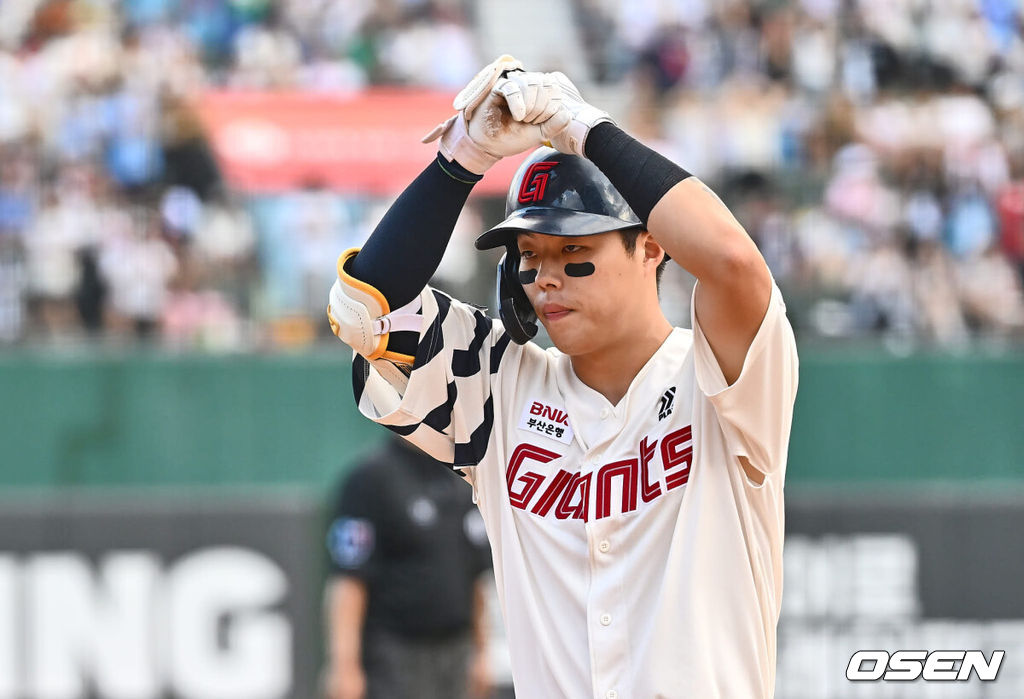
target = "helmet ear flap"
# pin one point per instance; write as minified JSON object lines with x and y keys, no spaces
{"x":514,"y":307}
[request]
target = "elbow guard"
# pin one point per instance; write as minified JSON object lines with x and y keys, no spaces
{"x":361,"y":318}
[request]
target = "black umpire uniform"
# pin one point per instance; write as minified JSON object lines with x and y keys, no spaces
{"x":405,"y":525}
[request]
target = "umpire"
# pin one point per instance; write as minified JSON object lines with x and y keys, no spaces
{"x":404,"y":604}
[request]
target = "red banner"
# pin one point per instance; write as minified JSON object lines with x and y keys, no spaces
{"x":368,"y":142}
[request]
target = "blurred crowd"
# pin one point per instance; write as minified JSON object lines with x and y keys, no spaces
{"x":873,"y":148}
{"x":115,"y":223}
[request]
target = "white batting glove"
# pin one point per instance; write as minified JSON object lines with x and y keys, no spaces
{"x":484,"y":129}
{"x":532,"y":98}
{"x":567,"y":129}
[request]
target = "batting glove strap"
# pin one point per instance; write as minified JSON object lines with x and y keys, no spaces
{"x":456,"y":144}
{"x":360,"y":316}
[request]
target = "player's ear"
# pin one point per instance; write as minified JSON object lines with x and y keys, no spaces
{"x":653,"y":252}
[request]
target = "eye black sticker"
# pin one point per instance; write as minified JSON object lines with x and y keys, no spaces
{"x":579,"y":269}
{"x":527,"y":276}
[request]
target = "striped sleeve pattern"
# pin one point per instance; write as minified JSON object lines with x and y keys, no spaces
{"x":445,"y":406}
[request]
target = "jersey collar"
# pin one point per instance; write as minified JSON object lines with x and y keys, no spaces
{"x":594,"y":419}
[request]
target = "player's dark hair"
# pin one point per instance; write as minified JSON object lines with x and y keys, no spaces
{"x":629,"y":238}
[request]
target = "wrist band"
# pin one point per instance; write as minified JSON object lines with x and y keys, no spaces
{"x":641,"y":175}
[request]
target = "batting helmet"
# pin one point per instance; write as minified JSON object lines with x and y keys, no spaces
{"x":556,"y":194}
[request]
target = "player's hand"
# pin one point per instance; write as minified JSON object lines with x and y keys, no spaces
{"x":484,"y":129}
{"x":532,"y":98}
{"x":568,"y":127}
{"x":345,"y":682}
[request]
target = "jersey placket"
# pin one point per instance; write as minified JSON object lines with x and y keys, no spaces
{"x":607,"y":625}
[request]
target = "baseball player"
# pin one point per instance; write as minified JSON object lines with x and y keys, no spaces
{"x":630,"y":478}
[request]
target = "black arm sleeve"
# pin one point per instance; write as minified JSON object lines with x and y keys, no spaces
{"x":640,"y":174}
{"x":407,"y":246}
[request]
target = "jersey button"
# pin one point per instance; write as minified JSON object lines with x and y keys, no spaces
{"x":611,"y":694}
{"x":606,"y":619}
{"x":604,"y":546}
{"x":605,"y":412}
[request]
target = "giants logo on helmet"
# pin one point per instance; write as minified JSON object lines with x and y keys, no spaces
{"x":534,"y":182}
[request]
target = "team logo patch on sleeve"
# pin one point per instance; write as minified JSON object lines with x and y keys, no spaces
{"x":541,"y":418}
{"x":350,"y":541}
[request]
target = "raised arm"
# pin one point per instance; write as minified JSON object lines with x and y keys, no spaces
{"x":700,"y":233}
{"x":696,"y":229}
{"x":426,"y":361}
{"x":377,"y":284}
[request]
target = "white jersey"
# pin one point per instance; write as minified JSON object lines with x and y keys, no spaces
{"x":633,"y":556}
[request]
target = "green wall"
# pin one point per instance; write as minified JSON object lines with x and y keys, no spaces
{"x":140,"y":419}
{"x":873,"y":417}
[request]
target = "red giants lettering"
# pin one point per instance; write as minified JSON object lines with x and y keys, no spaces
{"x":571,"y":506}
{"x":567,"y":494}
{"x":558,"y":484}
{"x":530,"y":479}
{"x":677,"y":450}
{"x":549,"y":413}
{"x":648,"y":490}
{"x":627,"y":471}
